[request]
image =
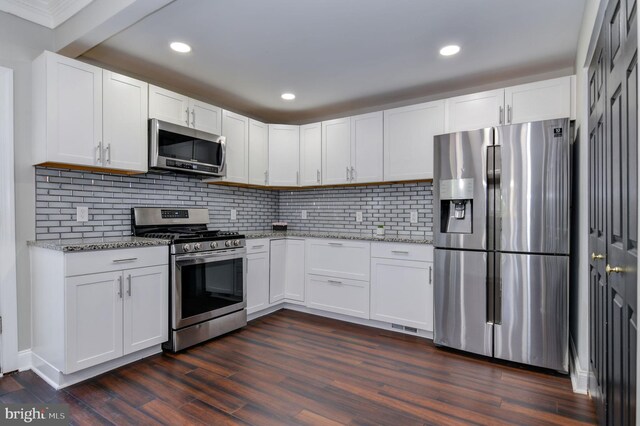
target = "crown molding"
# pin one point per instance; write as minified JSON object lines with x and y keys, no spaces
{"x":48,"y":13}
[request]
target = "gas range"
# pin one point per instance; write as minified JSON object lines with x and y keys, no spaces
{"x":207,"y":273}
{"x":186,"y":228}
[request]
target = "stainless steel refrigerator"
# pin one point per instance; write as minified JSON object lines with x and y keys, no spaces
{"x":501,"y":231}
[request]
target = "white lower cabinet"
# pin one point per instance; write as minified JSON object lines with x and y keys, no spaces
{"x":402,"y":284}
{"x":257,"y":275}
{"x":339,"y":258}
{"x":286,"y":275}
{"x":82,"y":319}
{"x":339,"y":295}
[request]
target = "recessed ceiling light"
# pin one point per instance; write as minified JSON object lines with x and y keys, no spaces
{"x":288,"y":96}
{"x":180,"y":47}
{"x":449,"y":50}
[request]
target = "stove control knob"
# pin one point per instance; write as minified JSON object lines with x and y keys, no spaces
{"x":236,"y":243}
{"x":186,"y":248}
{"x":228,"y":243}
{"x":213,"y":245}
{"x":197,"y":246}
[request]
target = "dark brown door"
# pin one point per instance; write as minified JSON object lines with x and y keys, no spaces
{"x":613,"y":239}
{"x":622,"y":214}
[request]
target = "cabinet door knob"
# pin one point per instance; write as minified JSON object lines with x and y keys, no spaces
{"x":613,"y":269}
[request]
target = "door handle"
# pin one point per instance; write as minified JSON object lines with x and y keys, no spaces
{"x":500,"y":115}
{"x":187,"y":120}
{"x":266,"y":177}
{"x":99,"y":153}
{"x":297,"y":178}
{"x":108,"y":159}
{"x":318,"y":175}
{"x":347,"y":173}
{"x":509,"y":114}
{"x":614,"y":269}
{"x":120,"y":286}
{"x":430,"y":280}
{"x":129,"y":288}
{"x":353,"y":174}
{"x":595,"y":256}
{"x":193,"y":117}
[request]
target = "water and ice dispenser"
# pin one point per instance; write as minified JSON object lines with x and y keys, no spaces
{"x":456,"y":206}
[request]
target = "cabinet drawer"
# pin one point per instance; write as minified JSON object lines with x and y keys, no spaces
{"x":92,"y":262}
{"x":342,"y":296}
{"x":339,"y":258}
{"x":259,"y":245}
{"x":419,"y":252}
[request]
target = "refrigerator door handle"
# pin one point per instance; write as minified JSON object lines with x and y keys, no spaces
{"x":497,"y":309}
{"x":491,"y":289}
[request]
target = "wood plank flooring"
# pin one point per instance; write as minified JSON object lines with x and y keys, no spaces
{"x":295,"y":368}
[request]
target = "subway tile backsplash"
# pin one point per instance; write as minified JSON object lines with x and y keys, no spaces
{"x":110,"y":198}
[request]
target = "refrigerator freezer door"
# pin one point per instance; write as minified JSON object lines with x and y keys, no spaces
{"x":534,"y":328}
{"x":535,"y":184}
{"x":460,"y":298}
{"x":460,"y":174}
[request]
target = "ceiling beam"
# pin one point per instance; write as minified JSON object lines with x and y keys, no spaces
{"x":99,"y":21}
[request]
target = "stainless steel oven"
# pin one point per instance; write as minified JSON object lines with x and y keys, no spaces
{"x":207,"y":285}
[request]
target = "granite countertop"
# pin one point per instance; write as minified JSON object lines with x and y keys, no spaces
{"x":337,"y":235}
{"x":88,"y":244}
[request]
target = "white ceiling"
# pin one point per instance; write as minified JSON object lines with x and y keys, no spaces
{"x":48,"y":13}
{"x":341,"y":55}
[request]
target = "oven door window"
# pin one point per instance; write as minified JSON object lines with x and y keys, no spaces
{"x":210,"y":286}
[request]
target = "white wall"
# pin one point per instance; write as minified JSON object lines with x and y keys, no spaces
{"x":580,"y":281}
{"x":20,"y":42}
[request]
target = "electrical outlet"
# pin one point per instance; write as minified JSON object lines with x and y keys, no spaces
{"x":304,"y":214}
{"x":234,"y":214}
{"x":82,"y":214}
{"x":358,"y":216}
{"x":414,"y":217}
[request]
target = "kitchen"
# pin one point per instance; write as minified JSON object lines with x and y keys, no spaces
{"x":354,"y":181}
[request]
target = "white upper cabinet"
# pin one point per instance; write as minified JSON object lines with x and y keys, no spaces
{"x":205,"y":117}
{"x":284,"y":155}
{"x":475,"y":111}
{"x":125,"y":127}
{"x":311,"y":154}
{"x":67,"y":97}
{"x":168,"y":106}
{"x":367,"y":148}
{"x":235,"y":128}
{"x":541,"y":100}
{"x":258,"y":152}
{"x":89,"y":117}
{"x":179,"y":109}
{"x":408,"y":140}
{"x":336,"y":151}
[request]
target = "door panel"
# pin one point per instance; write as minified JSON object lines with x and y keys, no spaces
{"x":535,"y":161}
{"x":460,"y":299}
{"x":534,"y":327}
{"x":336,"y":151}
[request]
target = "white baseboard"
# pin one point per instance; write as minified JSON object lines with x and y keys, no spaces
{"x":24,"y":360}
{"x":579,"y":377}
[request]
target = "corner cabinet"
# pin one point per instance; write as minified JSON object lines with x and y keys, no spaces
{"x":286,"y":277}
{"x":311,"y":154}
{"x":84,"y":116}
{"x":97,"y":306}
{"x":284,"y":155}
{"x":408,"y":140}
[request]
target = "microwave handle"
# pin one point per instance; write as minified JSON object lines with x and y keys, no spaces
{"x":223,"y":142}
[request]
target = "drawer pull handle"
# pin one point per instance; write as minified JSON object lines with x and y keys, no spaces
{"x":400,"y":251}
{"x":335,"y":244}
{"x":334,"y":282}
{"x":129,"y":259}
{"x":258,"y":246}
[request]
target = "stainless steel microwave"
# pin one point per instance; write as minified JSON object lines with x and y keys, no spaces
{"x":186,"y":150}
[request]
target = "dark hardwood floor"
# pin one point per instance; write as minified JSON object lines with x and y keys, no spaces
{"x":294,"y":368}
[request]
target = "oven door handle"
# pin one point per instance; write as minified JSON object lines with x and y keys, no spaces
{"x":191,"y":259}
